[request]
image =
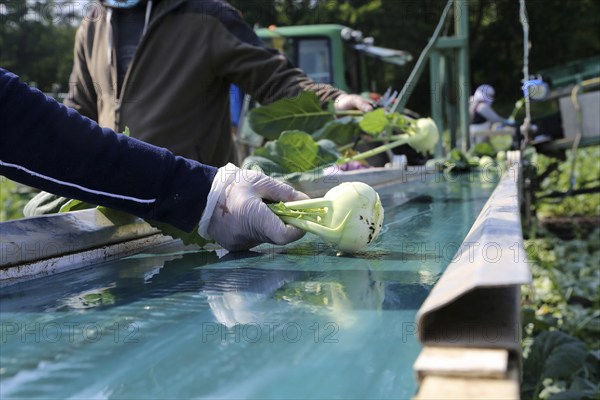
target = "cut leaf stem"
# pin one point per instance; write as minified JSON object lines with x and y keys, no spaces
{"x":373,"y":152}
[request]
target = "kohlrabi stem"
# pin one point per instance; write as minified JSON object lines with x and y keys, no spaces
{"x":344,"y":113}
{"x":375,"y":151}
{"x":331,"y":234}
{"x":288,"y":212}
{"x":348,"y":146}
{"x":399,"y":137}
{"x":318,"y":202}
{"x":308,"y":214}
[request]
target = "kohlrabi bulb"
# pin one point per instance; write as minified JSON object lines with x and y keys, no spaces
{"x":356,"y":207}
{"x":425,"y":137}
{"x":349,"y":216}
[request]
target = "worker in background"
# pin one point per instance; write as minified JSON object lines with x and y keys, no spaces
{"x":164,"y":70}
{"x":483,"y":116}
{"x":49,"y":146}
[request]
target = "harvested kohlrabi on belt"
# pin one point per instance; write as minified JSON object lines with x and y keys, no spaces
{"x":349,"y":216}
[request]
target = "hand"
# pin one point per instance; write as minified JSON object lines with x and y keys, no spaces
{"x":236,"y":216}
{"x":352,"y":102}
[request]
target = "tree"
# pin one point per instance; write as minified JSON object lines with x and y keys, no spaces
{"x":560,"y":31}
{"x":36,"y":41}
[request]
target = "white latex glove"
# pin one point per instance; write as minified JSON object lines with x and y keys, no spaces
{"x":352,"y":102}
{"x":236,"y":216}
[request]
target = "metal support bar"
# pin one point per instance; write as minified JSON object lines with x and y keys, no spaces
{"x":461,"y":27}
{"x":411,"y":82}
{"x":449,"y":65}
{"x":451,"y":42}
{"x":436,"y":78}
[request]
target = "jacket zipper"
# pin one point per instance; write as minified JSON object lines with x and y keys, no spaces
{"x":143,"y":40}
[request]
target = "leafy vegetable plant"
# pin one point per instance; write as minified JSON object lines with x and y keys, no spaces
{"x":561,"y":319}
{"x":331,"y":132}
{"x":301,"y":112}
{"x":294,"y":151}
{"x":349,"y":216}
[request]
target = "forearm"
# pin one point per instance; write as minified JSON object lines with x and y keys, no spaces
{"x":274,"y":78}
{"x":489,"y":114}
{"x":264,"y":73}
{"x":47,"y":145}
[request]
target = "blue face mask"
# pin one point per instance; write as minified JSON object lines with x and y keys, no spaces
{"x":121,"y":3}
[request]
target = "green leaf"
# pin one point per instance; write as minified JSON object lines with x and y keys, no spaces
{"x":296,"y":151}
{"x":483,"y":149}
{"x":553,"y":355}
{"x":321,"y":294}
{"x":341,"y":130}
{"x":187,"y":238}
{"x":115,"y":216}
{"x":101,"y":298}
{"x":573,"y":394}
{"x":126,"y":131}
{"x":284,"y":211}
{"x":74,"y":205}
{"x":374,"y":122}
{"x":327,"y":150}
{"x":266,"y":165}
{"x":457,"y":161}
{"x":120,"y":218}
{"x":302,"y":112}
{"x":501,"y":142}
{"x":400,"y":122}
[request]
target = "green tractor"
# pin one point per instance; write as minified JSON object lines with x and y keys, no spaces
{"x":328,"y":54}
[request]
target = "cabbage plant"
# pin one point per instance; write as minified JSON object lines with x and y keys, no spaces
{"x":303,"y":136}
{"x":349,"y":216}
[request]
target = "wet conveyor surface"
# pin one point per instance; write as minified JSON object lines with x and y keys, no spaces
{"x":296,"y":321}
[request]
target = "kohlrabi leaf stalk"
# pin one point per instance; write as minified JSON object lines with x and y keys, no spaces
{"x":421,"y":134}
{"x":349,"y":216}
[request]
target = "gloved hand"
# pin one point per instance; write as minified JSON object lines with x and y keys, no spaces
{"x":236,"y":216}
{"x":352,"y":102}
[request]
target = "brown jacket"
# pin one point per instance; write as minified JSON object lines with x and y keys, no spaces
{"x":176,"y":91}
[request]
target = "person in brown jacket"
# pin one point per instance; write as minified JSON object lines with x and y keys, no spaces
{"x":163,"y":68}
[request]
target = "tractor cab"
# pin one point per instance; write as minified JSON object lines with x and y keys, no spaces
{"x":331,"y":54}
{"x":328,"y":54}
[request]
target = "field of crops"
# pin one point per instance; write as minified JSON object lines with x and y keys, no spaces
{"x":561,"y":309}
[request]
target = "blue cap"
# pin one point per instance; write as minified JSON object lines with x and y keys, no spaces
{"x":121,"y":3}
{"x":536,"y":89}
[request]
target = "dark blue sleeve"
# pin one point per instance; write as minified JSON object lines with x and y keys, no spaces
{"x":47,"y":145}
